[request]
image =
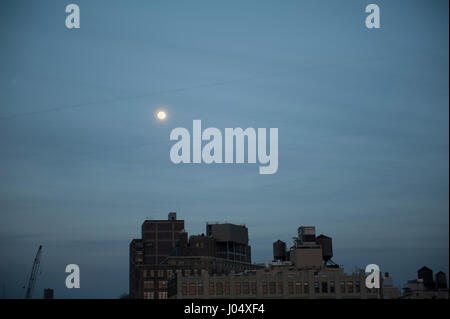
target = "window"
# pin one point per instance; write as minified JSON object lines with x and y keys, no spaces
{"x":219,"y":288}
{"x":211,"y":288}
{"x":272,"y":287}
{"x":164,"y":227}
{"x":169,"y":273}
{"x":280,"y":287}
{"x":306,"y":287}
{"x":160,"y":273}
{"x":324,"y":287}
{"x":192,"y":288}
{"x":350,"y":287}
{"x":316,"y":287}
{"x":253,"y":288}
{"x":246,"y":288}
{"x":290,"y":287}
{"x":162,"y":295}
{"x":139,"y":258}
{"x":200,"y":288}
{"x":227,"y":288}
{"x":184,"y":289}
{"x":148,"y":295}
{"x":342,"y":285}
{"x":332,"y":287}
{"x":238,"y":288}
{"x":162,"y":284}
{"x":264,"y":286}
{"x":358,"y":287}
{"x":298,"y":287}
{"x":149,"y":284}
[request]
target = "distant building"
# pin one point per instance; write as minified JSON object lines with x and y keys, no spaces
{"x":231,"y":241}
{"x":165,"y":249}
{"x":388,"y":289}
{"x":159,"y":237}
{"x":305,"y":275}
{"x":424,"y":287}
{"x":426,"y":274}
{"x":273,"y":282}
{"x":48,"y":293}
{"x":441,"y":280}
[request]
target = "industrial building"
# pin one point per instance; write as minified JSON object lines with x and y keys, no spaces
{"x":166,"y":263}
{"x":305,"y":271}
{"x":274,"y":281}
{"x":165,"y":249}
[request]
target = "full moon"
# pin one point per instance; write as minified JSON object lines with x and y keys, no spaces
{"x":161,"y":115}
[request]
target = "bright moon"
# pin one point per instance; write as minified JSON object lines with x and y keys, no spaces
{"x":161,"y":115}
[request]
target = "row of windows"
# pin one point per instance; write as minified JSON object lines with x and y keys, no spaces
{"x":163,"y":226}
{"x":157,"y":273}
{"x":152,"y":285}
{"x":232,"y":265}
{"x":164,"y":235}
{"x":155,"y":295}
{"x":324,"y":287}
{"x":218,"y":288}
{"x":169,"y":273}
{"x":272,"y":287}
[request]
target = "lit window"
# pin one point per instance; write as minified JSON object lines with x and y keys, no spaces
{"x":306,"y":287}
{"x":316,"y":287}
{"x":245,"y":287}
{"x":149,"y":284}
{"x":238,"y":288}
{"x":162,"y":295}
{"x":350,"y":287}
{"x":298,"y":287}
{"x":148,"y":295}
{"x":192,"y":288}
{"x":219,"y":288}
{"x":290,"y":287}
{"x":280,"y":287}
{"x":162,"y":284}
{"x":254,"y":288}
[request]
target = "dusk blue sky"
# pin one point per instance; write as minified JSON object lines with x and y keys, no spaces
{"x":362,"y":114}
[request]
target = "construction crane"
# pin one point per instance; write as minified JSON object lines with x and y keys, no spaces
{"x":33,"y":274}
